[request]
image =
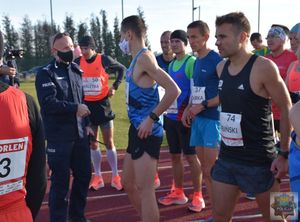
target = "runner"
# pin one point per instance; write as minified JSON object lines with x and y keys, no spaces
{"x":247,"y":161}
{"x":203,"y":106}
{"x":257,"y":43}
{"x":144,"y":107}
{"x":178,"y":136}
{"x":163,"y":61}
{"x":282,"y":58}
{"x":96,"y":97}
{"x":294,"y":40}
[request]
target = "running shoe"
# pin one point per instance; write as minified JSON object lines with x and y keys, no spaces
{"x":96,"y":183}
{"x":156,"y":181}
{"x":116,"y":182}
{"x":197,"y":204}
{"x":250,"y":196}
{"x":173,"y":198}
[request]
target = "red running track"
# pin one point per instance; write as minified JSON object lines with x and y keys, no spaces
{"x":109,"y":205}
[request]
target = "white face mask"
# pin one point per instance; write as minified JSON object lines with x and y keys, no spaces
{"x":124,"y":46}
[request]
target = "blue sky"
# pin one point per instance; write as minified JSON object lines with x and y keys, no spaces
{"x":160,"y":15}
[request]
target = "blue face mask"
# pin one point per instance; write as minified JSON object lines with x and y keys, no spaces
{"x":124,"y":46}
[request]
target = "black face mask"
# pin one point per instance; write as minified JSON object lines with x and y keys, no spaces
{"x":65,"y":56}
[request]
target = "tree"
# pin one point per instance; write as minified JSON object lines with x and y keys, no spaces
{"x":124,"y":59}
{"x":106,"y":34}
{"x":26,"y":44}
{"x":141,"y":15}
{"x":42,"y":34}
{"x":95,"y":30}
{"x":82,"y":31}
{"x":69,"y":26}
{"x":11,"y":37}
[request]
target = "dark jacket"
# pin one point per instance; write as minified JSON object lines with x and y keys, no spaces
{"x":59,"y":91}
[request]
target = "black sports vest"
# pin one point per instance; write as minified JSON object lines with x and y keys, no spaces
{"x":256,"y":126}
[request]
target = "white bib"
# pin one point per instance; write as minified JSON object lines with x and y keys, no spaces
{"x":92,"y":86}
{"x":231,"y":129}
{"x":198,"y":94}
{"x":12,"y":164}
{"x":173,"y":108}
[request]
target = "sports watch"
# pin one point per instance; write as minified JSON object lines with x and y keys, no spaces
{"x":204,"y":104}
{"x":153,"y":116}
{"x":284,"y":154}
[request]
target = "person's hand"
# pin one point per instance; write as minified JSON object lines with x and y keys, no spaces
{"x":111,"y":92}
{"x":6,"y":70}
{"x":89,"y":131}
{"x":194,"y":110}
{"x":145,"y":128}
{"x":83,"y":110}
{"x":279,"y":167}
{"x":186,"y":121}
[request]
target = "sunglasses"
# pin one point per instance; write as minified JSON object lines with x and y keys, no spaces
{"x":59,"y":36}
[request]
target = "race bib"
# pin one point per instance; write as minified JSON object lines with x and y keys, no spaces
{"x":92,"y":86}
{"x":231,"y":129}
{"x":12,"y":164}
{"x":173,"y":108}
{"x":198,"y":94}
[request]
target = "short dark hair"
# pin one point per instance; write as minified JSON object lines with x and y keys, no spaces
{"x":285,"y":29}
{"x":237,"y":19}
{"x":202,"y":26}
{"x":166,"y":32}
{"x":57,"y":36}
{"x":135,"y":24}
{"x":256,"y":36}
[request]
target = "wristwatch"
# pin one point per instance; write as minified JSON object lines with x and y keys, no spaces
{"x":285,"y":154}
{"x":204,"y":104}
{"x":153,"y":116}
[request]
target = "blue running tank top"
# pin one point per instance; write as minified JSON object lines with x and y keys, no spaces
{"x":175,"y":111}
{"x":162,"y":63}
{"x":141,"y":101}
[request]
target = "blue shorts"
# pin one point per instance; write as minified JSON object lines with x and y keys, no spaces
{"x":250,"y":179}
{"x":205,"y":132}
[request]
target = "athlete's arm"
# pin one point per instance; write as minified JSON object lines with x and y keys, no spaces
{"x":36,"y":172}
{"x":275,"y":88}
{"x":113,"y":65}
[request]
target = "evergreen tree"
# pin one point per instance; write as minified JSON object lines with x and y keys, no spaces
{"x":82,"y":31}
{"x":124,"y":59}
{"x":106,"y":34}
{"x":69,"y":26}
{"x":42,"y":44}
{"x":26,"y":44}
{"x":141,"y":14}
{"x":11,"y":36}
{"x":95,"y":30}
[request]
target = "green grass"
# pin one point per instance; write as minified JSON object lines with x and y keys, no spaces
{"x":121,"y":123}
